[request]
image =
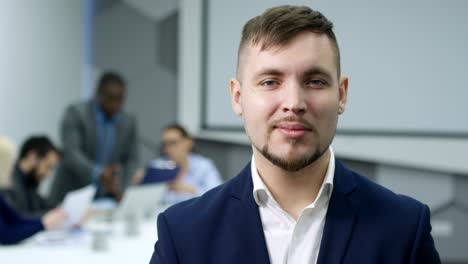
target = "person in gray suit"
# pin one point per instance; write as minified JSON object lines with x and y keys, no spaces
{"x":99,"y":143}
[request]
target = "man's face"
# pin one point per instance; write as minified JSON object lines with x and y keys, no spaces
{"x":290,"y":98}
{"x":111,"y":99}
{"x":45,"y":165}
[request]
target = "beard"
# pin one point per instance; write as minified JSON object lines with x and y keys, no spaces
{"x":32,"y":178}
{"x":294,"y":164}
{"x":291,"y":164}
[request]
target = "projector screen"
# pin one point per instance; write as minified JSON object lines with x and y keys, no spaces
{"x":405,"y":61}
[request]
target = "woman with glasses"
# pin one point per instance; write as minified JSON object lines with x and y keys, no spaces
{"x":196,"y":174}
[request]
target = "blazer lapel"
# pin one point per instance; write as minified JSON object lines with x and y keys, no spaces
{"x":89,"y":118}
{"x":247,"y":218}
{"x":340,"y":219}
{"x":120,"y":128}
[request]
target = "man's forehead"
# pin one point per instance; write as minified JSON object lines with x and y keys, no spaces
{"x":313,"y":44}
{"x":249,"y":53}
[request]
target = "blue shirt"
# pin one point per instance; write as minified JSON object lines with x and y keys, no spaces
{"x":201,"y":174}
{"x":105,"y":141}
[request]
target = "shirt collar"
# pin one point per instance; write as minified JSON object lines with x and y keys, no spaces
{"x":262,"y":194}
{"x":102,"y":117}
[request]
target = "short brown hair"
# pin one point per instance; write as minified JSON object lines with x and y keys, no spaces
{"x":277,"y":26}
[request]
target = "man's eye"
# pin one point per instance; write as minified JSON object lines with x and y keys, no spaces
{"x":269,"y":83}
{"x":316,"y":83}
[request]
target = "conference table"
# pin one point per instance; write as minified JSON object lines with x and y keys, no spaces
{"x":117,"y":244}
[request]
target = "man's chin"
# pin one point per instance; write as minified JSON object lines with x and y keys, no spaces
{"x":292,"y":151}
{"x":291,"y":162}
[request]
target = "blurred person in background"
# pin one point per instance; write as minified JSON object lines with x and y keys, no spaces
{"x":99,"y":143}
{"x":14,"y":227}
{"x":37,"y":158}
{"x":196,"y":175}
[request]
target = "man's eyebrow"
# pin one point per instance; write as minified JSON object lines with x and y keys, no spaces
{"x":317,"y":70}
{"x":269,"y":71}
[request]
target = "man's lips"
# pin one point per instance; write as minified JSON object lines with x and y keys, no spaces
{"x":292,"y":130}
{"x":292,"y":126}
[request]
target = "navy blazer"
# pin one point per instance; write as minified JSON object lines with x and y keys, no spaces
{"x":365,"y":223}
{"x":13,"y":227}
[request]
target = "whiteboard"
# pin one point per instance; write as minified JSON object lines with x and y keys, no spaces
{"x":406,"y":62}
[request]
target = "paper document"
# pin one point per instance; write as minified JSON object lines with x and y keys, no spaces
{"x":76,"y":203}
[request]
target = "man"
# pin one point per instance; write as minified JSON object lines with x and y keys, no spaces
{"x":294,"y":203}
{"x":37,"y":157}
{"x":14,"y":227}
{"x":99,"y":143}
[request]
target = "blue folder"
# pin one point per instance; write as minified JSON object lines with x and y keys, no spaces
{"x":160,"y":174}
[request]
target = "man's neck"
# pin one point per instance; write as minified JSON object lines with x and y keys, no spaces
{"x":293,"y":190}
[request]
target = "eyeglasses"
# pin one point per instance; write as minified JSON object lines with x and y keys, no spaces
{"x":170,"y":143}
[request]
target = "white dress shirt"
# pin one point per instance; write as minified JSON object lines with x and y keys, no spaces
{"x":289,"y":241}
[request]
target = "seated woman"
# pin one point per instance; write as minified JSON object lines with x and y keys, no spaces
{"x":196,"y":175}
{"x":13,"y":227}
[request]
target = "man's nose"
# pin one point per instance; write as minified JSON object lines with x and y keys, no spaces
{"x":294,"y":99}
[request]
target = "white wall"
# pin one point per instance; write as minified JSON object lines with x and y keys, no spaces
{"x":189,"y":81}
{"x":40,"y":65}
{"x":406,"y":61}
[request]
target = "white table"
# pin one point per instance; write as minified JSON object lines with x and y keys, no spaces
{"x":121,"y":248}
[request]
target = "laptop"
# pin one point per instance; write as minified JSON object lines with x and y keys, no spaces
{"x":141,"y":200}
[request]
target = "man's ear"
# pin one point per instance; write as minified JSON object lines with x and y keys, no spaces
{"x":343,"y":94}
{"x":236,"y":96}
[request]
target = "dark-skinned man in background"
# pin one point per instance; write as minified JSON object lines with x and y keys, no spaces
{"x":99,"y":143}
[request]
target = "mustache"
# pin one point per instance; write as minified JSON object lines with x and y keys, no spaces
{"x":295,"y":119}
